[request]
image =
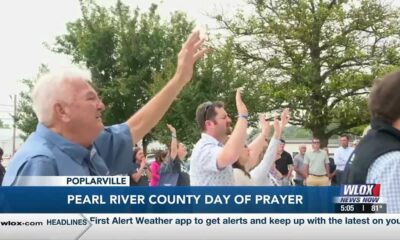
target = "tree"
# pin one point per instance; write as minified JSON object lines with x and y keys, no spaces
{"x":124,"y":50}
{"x":3,"y":125}
{"x":26,"y":119}
{"x":316,"y":57}
{"x":216,"y":79}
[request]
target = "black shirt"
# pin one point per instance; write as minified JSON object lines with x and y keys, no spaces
{"x":283,"y":163}
{"x":2,"y":173}
{"x":143,"y":180}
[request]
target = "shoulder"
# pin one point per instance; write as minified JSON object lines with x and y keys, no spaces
{"x":387,"y":161}
{"x":33,"y":166}
{"x":35,"y":147}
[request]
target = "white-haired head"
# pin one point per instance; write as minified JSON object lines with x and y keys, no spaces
{"x":50,"y":88}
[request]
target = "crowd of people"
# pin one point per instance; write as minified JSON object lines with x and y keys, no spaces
{"x":71,"y":140}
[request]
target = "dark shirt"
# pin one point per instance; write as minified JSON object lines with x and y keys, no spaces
{"x":283,"y":163}
{"x":2,"y":173}
{"x":332,"y":168}
{"x":143,"y":180}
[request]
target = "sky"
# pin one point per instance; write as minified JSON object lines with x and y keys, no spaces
{"x":25,"y":25}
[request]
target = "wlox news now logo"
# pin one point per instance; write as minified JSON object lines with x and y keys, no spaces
{"x":359,"y":193}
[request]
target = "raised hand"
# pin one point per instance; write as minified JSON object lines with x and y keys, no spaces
{"x":265,"y":128}
{"x":171,"y":128}
{"x":240,"y":106}
{"x":191,"y":51}
{"x":277,"y":126}
{"x":285,"y":117}
{"x":143,"y":163}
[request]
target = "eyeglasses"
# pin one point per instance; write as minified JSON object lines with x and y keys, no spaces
{"x":315,"y":142}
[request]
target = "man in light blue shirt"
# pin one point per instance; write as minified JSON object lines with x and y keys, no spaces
{"x":70,"y":138}
{"x":211,"y":160}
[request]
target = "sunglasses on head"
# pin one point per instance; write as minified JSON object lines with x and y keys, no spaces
{"x":207,"y":108}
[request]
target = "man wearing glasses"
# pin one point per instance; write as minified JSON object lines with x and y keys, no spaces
{"x":316,"y":165}
{"x":213,"y":155}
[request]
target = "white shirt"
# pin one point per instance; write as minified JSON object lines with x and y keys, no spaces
{"x":203,"y":164}
{"x":259,"y":175}
{"x":342,"y":155}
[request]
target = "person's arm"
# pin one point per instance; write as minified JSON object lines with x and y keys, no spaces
{"x":260,"y":173}
{"x":332,"y":175}
{"x":290,"y":168}
{"x":233,"y":147}
{"x":258,"y":144}
{"x":174,"y":142}
{"x":141,"y":122}
{"x":327,"y":169}
{"x":336,"y":158}
{"x":306,"y":166}
{"x":297,"y":169}
{"x":306,"y":169}
{"x":326,"y":161}
{"x":138,"y":174}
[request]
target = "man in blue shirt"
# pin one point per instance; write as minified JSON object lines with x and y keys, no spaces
{"x":70,"y":139}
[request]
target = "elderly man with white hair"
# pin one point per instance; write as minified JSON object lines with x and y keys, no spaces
{"x":70,"y":139}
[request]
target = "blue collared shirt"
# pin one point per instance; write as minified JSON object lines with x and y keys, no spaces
{"x":45,"y":153}
{"x":203,"y":164}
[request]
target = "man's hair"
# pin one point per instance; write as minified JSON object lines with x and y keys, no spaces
{"x":282,"y":141}
{"x":316,"y":138}
{"x":206,"y":111}
{"x":345,"y":136}
{"x":1,"y":152}
{"x":384,"y":98}
{"x":50,"y":88}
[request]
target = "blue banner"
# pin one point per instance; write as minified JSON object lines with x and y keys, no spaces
{"x":168,"y":199}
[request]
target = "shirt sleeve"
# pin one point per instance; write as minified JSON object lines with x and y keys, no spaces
{"x":326,"y":158}
{"x":336,"y":157}
{"x":36,"y":166}
{"x":306,"y":159}
{"x":209,"y":158}
{"x":384,"y":171}
{"x":289,"y":159}
{"x":260,"y":173}
{"x":115,"y":147}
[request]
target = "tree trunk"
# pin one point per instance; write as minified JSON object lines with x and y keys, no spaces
{"x":323,"y":138}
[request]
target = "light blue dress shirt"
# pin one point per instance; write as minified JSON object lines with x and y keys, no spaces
{"x":45,"y":153}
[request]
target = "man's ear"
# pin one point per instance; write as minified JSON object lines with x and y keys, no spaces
{"x":60,"y":112}
{"x":208,"y":123}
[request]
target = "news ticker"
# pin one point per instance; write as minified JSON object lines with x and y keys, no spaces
{"x":199,"y":226}
{"x":106,"y":195}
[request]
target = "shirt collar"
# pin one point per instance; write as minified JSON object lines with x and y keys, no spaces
{"x":75,"y":151}
{"x":382,"y":126}
{"x":211,"y":139}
